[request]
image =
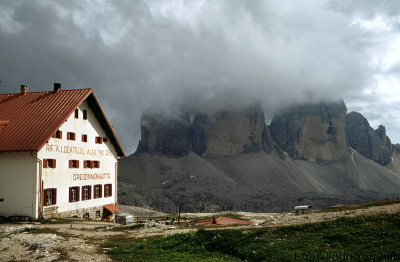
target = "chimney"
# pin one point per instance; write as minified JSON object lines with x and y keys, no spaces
{"x":24,"y":89}
{"x":57,"y":87}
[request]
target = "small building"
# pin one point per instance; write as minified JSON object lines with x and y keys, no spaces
{"x":58,"y":155}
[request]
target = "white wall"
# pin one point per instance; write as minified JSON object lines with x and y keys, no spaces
{"x":18,"y":180}
{"x":62,"y":177}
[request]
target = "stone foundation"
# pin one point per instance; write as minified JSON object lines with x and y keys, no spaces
{"x":94,"y":213}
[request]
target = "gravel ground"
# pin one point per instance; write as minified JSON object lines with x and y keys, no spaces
{"x":81,"y":240}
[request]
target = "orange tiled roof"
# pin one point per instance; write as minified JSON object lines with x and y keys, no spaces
{"x":27,"y":121}
{"x":111,"y":208}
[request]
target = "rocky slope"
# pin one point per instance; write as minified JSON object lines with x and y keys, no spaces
{"x":233,"y":161}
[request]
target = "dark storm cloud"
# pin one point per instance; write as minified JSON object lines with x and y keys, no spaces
{"x":169,"y":55}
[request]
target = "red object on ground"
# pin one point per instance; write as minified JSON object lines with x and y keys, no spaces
{"x":111,"y":208}
{"x":223,"y":221}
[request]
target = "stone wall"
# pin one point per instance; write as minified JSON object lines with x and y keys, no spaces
{"x":88,"y":213}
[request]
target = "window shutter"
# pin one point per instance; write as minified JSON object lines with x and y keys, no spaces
{"x":54,"y":196}
{"x":60,"y":134}
{"x":77,"y":163}
{"x":54,"y":163}
{"x":73,"y":136}
{"x":98,"y":164}
{"x":44,"y":197}
{"x":70,"y":163}
{"x":90,"y":192}
{"x":83,"y":138}
{"x":91,"y":164}
{"x":110,"y":189}
{"x":44,"y":163}
{"x":101,"y":191}
{"x":104,"y":190}
{"x":77,"y":193}
{"x":70,"y":194}
{"x":83,"y":193}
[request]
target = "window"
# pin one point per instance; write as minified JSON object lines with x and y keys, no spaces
{"x":107,"y":190}
{"x":91,"y":164}
{"x":86,"y":216}
{"x":87,"y":164}
{"x":85,"y":114}
{"x":57,"y":134}
{"x":49,"y":163}
{"x":70,"y":136}
{"x":96,"y":164}
{"x":99,"y":140}
{"x":97,"y":191}
{"x":105,"y":139}
{"x":50,"y":196}
{"x":86,"y":192}
{"x":76,"y":113}
{"x":74,"y":194}
{"x":97,"y":213}
{"x":73,"y":163}
{"x":84,"y":138}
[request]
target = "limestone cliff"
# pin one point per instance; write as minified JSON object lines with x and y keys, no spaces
{"x":169,"y":137}
{"x":373,"y":144}
{"x":312,"y":132}
{"x":228,"y":133}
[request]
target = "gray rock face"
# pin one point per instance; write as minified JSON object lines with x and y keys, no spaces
{"x":373,"y":144}
{"x":228,"y":133}
{"x":312,"y":131}
{"x":169,"y":137}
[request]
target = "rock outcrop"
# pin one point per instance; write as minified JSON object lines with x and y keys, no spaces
{"x":228,"y":133}
{"x":170,"y":137}
{"x":312,"y":132}
{"x":233,"y":161}
{"x":373,"y":144}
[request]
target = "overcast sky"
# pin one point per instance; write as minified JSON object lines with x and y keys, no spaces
{"x":168,"y":55}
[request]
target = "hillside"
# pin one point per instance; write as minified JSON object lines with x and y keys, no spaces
{"x":234,"y":161}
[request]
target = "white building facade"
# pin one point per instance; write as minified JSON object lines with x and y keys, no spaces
{"x":73,"y":173}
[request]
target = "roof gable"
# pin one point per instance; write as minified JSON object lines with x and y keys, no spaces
{"x":30,"y":119}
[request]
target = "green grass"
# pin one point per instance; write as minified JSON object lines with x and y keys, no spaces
{"x":346,"y":239}
{"x":382,"y":202}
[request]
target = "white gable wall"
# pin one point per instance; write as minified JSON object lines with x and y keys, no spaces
{"x":18,"y":180}
{"x":62,"y":177}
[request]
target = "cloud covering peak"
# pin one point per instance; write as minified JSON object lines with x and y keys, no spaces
{"x":195,"y":55}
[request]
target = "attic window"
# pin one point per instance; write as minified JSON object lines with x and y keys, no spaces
{"x":77,"y":113}
{"x":99,"y":140}
{"x":70,"y":136}
{"x":105,"y":139}
{"x":84,"y":138}
{"x":58,"y":134}
{"x":85,"y":114}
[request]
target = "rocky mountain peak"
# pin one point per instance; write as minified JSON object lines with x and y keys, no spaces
{"x":373,"y":144}
{"x":312,"y":131}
